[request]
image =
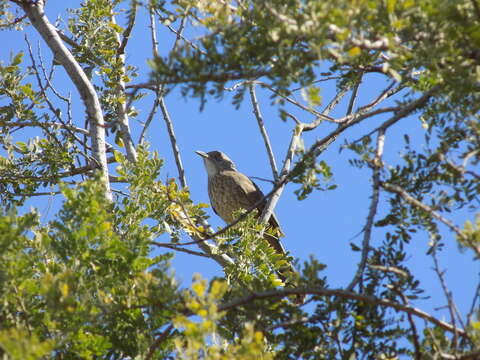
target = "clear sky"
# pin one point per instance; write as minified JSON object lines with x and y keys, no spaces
{"x":325,"y":223}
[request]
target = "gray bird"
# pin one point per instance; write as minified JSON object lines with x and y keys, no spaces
{"x":229,"y":190}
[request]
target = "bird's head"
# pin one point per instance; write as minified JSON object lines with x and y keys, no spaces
{"x":216,"y":161}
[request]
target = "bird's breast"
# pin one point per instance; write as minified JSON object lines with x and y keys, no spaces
{"x":230,"y":191}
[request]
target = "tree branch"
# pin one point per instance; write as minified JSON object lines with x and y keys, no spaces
{"x":158,"y":341}
{"x":353,"y":98}
{"x":412,"y":201}
{"x":446,"y":292}
{"x":282,"y":180}
{"x":318,"y":114}
{"x":367,"y":231}
{"x":263,"y":131}
{"x":177,"y":248}
{"x":122,"y":116}
{"x":173,"y":142}
{"x":36,"y":14}
{"x":281,"y":293}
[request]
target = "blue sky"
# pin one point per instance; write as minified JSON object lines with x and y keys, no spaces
{"x":325,"y":223}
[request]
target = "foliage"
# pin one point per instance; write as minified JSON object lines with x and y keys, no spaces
{"x":249,"y":345}
{"x":78,"y":287}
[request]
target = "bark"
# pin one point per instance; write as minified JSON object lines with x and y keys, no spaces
{"x":36,"y":14}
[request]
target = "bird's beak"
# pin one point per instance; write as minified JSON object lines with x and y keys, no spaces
{"x":202,"y":154}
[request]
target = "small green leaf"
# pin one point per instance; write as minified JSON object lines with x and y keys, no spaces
{"x":355,"y":51}
{"x":17,"y":59}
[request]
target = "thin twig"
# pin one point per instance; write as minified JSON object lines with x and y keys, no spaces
{"x":416,"y":344}
{"x":272,"y":201}
{"x":338,"y":96}
{"x":412,"y":201}
{"x":126,"y":33}
{"x":53,"y":178}
{"x":400,"y":113}
{"x":173,"y":142}
{"x":353,"y":98}
{"x":156,"y":89}
{"x":190,"y":43}
{"x":153,"y":32}
{"x":263,"y":131}
{"x":37,"y":194}
{"x":158,"y":341}
{"x":261,"y":179}
{"x":237,"y":85}
{"x":49,"y":78}
{"x":315,"y":123}
{"x":326,"y":78}
{"x":180,"y":31}
{"x":43,"y":91}
{"x":461,"y":169}
{"x":367,"y":232}
{"x":296,"y":103}
{"x":156,"y":102}
{"x":177,"y":248}
{"x":446,"y":292}
{"x":473,"y":308}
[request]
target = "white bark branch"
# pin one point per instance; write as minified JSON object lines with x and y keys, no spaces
{"x":36,"y":14}
{"x":122,"y":116}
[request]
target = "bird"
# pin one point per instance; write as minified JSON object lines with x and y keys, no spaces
{"x":230,"y":190}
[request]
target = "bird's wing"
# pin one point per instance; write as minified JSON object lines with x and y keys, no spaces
{"x":273,"y":240}
{"x":246,"y":193}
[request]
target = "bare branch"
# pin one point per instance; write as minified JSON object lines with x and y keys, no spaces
{"x":155,"y":105}
{"x":158,"y":341}
{"x":156,"y":89}
{"x":367,"y":231}
{"x":122,"y":110}
{"x":180,"y":249}
{"x":180,"y":36}
{"x":263,"y":131}
{"x":128,"y":30}
{"x":296,"y":103}
{"x":413,"y":327}
{"x":46,"y":193}
{"x":52,"y":178}
{"x":173,"y":142}
{"x":338,"y":96}
{"x":353,"y":98}
{"x":326,"y":78}
{"x":153,"y":32}
{"x":282,"y":180}
{"x":446,"y":292}
{"x":474,"y":302}
{"x":208,"y":248}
